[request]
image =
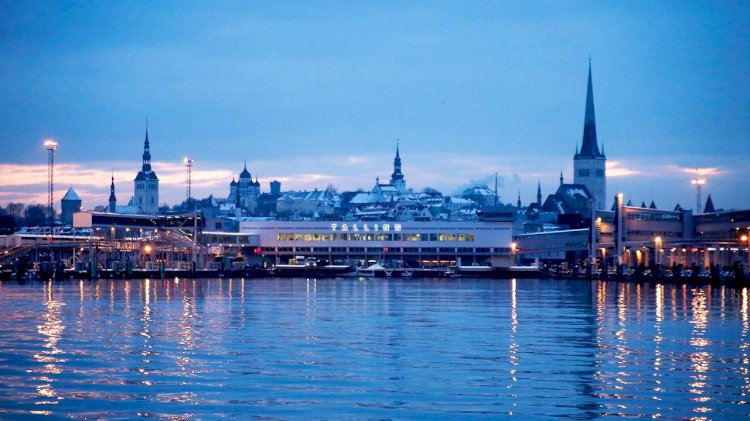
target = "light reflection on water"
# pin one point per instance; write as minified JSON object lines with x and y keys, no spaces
{"x":356,"y":348}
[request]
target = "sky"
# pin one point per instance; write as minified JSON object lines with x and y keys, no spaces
{"x":319,"y":93}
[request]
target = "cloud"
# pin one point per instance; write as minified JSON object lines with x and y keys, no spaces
{"x":615,"y":169}
{"x":705,"y":171}
{"x":446,"y":172}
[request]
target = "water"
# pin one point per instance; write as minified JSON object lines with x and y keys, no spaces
{"x":352,"y":348}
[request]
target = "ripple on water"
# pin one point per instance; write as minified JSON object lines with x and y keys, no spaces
{"x":345,"y":348}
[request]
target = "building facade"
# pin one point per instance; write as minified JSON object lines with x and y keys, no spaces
{"x":414,"y":243}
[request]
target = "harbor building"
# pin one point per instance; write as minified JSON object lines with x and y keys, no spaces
{"x":146,"y":184}
{"x":69,"y":204}
{"x":635,"y":235}
{"x":408,"y":243}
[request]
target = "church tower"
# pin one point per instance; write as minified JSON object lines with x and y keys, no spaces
{"x":589,"y":163}
{"x":397,"y":178}
{"x":112,"y":198}
{"x":147,"y":184}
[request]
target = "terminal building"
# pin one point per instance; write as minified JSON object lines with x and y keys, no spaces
{"x":409,"y":243}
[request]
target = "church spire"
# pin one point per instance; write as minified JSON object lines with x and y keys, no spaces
{"x":112,"y":197}
{"x":589,"y":146}
{"x":397,"y":175}
{"x":561,"y":177}
{"x":146,"y":153}
{"x":518,"y":204}
{"x":539,"y":193}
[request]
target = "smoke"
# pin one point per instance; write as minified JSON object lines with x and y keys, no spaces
{"x":487,"y":181}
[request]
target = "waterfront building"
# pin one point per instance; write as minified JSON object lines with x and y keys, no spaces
{"x":647,"y":235}
{"x":410,"y":243}
{"x":146,"y":184}
{"x":589,"y":164}
{"x":69,"y":204}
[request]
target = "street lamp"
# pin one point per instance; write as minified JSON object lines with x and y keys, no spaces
{"x":745,"y":238}
{"x":513,"y":248}
{"x":147,"y":250}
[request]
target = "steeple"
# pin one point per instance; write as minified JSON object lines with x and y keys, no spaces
{"x":112,"y":197}
{"x":589,"y":146}
{"x":539,"y":193}
{"x":561,"y":177}
{"x":397,"y":175}
{"x":146,"y":153}
{"x":518,"y":204}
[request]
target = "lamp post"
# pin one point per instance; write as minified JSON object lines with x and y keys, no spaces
{"x":513,"y":249}
{"x":698,"y":183}
{"x":746,"y":239}
{"x":189,"y":168}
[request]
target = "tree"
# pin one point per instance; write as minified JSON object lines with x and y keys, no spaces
{"x":331,"y":190}
{"x":36,"y":215}
{"x":15,"y":209}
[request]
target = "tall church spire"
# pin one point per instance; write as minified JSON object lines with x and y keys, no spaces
{"x":112,"y":198}
{"x":146,"y":153}
{"x":539,"y":193}
{"x":589,"y":146}
{"x":397,"y":175}
{"x":397,"y":178}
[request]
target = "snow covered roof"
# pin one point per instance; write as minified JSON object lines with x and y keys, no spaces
{"x":363,"y":198}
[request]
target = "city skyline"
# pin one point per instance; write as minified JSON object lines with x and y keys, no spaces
{"x":295,"y":92}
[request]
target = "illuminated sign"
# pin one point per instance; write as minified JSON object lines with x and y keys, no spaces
{"x":366,"y":227}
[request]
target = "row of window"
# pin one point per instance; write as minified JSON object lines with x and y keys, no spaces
{"x":653,"y":216}
{"x":387,"y":250}
{"x":150,"y":186}
{"x":381,"y":236}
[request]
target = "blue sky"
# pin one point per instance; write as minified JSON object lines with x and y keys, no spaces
{"x":313,"y":93}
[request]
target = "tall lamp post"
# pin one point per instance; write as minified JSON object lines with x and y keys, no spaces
{"x":51,"y":147}
{"x":189,"y":169}
{"x":746,"y":239}
{"x":698,"y":183}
